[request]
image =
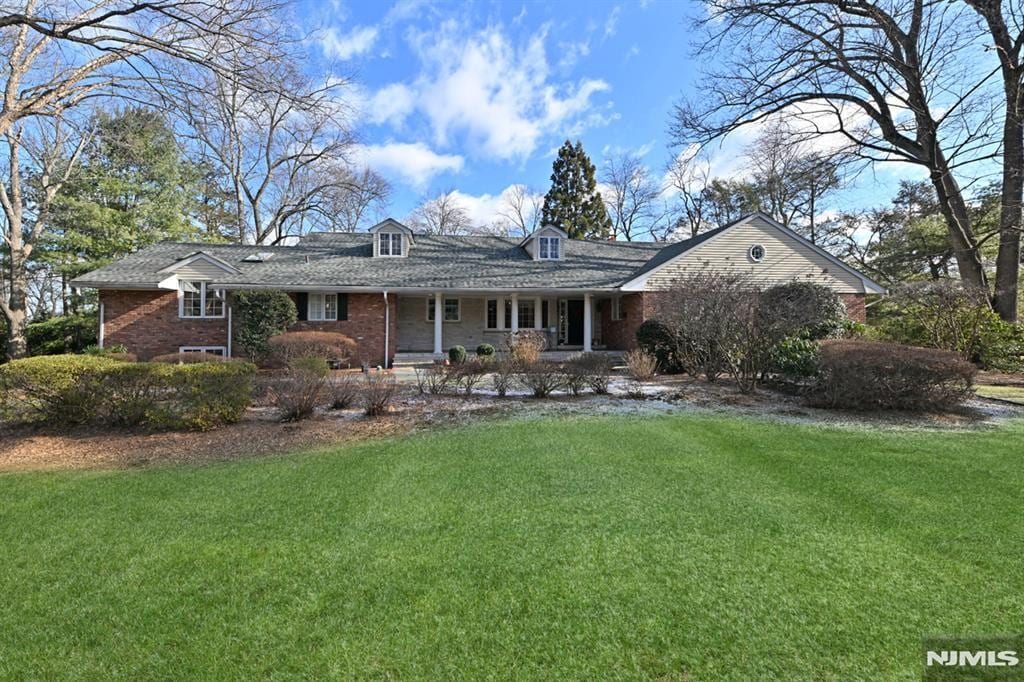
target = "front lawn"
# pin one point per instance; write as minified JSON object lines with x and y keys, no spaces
{"x":665,"y":547}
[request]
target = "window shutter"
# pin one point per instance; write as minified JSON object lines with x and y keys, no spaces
{"x":302,"y":303}
{"x":342,"y":306}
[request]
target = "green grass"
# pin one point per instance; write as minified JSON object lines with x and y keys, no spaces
{"x":1012,"y":393}
{"x":670,"y":547}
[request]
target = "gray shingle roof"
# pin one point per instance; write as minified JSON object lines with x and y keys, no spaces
{"x":345,"y":260}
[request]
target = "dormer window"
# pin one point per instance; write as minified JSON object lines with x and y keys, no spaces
{"x":549,"y":248}
{"x":390,"y":243}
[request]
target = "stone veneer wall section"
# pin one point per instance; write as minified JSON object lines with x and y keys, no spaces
{"x":147,"y":323}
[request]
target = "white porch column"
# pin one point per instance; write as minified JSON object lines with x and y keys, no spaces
{"x":537,"y":305}
{"x":438,"y":320}
{"x":515,"y":312}
{"x":588,"y":323}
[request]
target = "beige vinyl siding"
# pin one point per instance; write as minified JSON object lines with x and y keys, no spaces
{"x":199,"y":270}
{"x":786,"y":259}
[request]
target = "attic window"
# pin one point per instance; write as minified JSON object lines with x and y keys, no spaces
{"x":548,"y":248}
{"x":390,"y":243}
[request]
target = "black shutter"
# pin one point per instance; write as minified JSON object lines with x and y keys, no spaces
{"x":342,"y":306}
{"x":302,"y":303}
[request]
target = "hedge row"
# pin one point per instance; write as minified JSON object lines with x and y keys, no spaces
{"x":85,"y":389}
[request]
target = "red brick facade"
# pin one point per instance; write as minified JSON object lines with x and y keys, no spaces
{"x":855,"y":307}
{"x":147,"y":323}
{"x":365,"y":326}
{"x":621,"y":334}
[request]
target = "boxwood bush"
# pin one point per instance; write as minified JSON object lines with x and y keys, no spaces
{"x":86,"y":389}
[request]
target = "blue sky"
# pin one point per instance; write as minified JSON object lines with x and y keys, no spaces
{"x":477,"y":96}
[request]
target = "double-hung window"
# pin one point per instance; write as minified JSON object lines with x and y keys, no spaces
{"x":452,"y":310}
{"x":389,"y":243}
{"x":617,"y":309}
{"x":200,"y":300}
{"x":527,"y":313}
{"x":492,"y":314}
{"x":548,"y":248}
{"x":323,"y":307}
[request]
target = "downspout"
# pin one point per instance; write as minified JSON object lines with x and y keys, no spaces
{"x":387,"y":329}
{"x":102,"y":321}
{"x":229,"y":330}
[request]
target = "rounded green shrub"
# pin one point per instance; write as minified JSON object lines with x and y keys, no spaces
{"x":457,"y":355}
{"x":262,"y":313}
{"x":485,"y":350}
{"x":655,"y":338}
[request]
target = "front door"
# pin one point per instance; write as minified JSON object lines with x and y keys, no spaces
{"x":574,"y":319}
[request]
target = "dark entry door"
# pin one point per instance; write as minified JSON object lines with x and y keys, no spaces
{"x":574,"y":315}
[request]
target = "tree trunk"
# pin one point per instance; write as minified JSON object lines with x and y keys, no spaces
{"x":958,"y":220}
{"x":17,"y":315}
{"x":1008,"y":259}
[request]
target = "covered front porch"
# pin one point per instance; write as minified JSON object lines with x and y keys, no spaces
{"x":570,"y":322}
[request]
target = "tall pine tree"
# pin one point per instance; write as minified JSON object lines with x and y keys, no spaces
{"x":573,"y":202}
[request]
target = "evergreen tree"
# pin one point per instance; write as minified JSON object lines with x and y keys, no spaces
{"x":573,"y":202}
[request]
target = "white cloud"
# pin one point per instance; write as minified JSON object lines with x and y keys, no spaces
{"x":495,"y":95}
{"x":415,"y":163}
{"x":358,"y":41}
{"x":612,"y":22}
{"x":484,"y":209}
{"x":391,"y":104}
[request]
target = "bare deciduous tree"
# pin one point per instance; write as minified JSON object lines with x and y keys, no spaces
{"x":364,"y":198}
{"x":61,"y":55}
{"x":633,"y":197}
{"x":899,"y":81}
{"x":519,"y":211}
{"x":441,"y":215}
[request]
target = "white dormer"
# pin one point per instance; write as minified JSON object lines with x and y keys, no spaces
{"x":391,"y":239}
{"x":546,"y":243}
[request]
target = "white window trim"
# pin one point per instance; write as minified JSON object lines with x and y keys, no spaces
{"x":310,"y":297}
{"x":557,"y":241}
{"x":390,"y":238}
{"x":458,"y":304}
{"x":764,"y":253}
{"x":498,"y":314}
{"x":203,"y":349}
{"x":617,"y":309}
{"x":202,"y":303}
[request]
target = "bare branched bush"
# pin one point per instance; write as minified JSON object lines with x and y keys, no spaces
{"x":525,"y":346}
{"x":641,"y":364}
{"x":503,"y":375}
{"x":343,"y":391}
{"x":297,"y":394}
{"x":468,"y":375}
{"x":434,"y":379}
{"x":541,"y":379}
{"x":378,"y":390}
{"x":333,"y":347}
{"x":595,"y":370}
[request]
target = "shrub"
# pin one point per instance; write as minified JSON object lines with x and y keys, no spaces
{"x":377,"y":393}
{"x":97,"y":390}
{"x":50,"y":388}
{"x":865,"y":375}
{"x":597,"y":369}
{"x":635,"y":390}
{"x":502,"y":377}
{"x":457,"y":355}
{"x":803,"y":309}
{"x":951,"y":315}
{"x":433,"y":379}
{"x":187,"y":358}
{"x":62,"y":334}
{"x":485,"y":351}
{"x":641,"y":364}
{"x":262,"y":313}
{"x":541,"y":379}
{"x":97,"y":350}
{"x":795,"y":358}
{"x":468,"y":375}
{"x":525,"y":346}
{"x":333,"y":347}
{"x":297,"y":394}
{"x":655,"y":337}
{"x":343,"y":391}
